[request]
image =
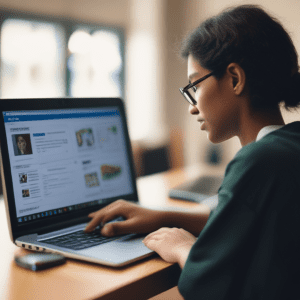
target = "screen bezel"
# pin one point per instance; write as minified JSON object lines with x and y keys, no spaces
{"x":71,"y":218}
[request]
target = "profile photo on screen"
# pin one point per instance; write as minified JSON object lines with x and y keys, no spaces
{"x":22,"y":144}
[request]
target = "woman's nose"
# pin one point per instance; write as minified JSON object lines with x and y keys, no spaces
{"x":193,"y":110}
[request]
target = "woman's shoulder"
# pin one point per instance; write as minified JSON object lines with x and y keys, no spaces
{"x":277,"y":148}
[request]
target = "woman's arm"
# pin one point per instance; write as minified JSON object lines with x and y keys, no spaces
{"x":192,"y":220}
{"x":143,"y":220}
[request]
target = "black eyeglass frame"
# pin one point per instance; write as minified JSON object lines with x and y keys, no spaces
{"x":186,"y":94}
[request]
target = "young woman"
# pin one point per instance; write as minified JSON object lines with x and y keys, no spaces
{"x":242,"y":65}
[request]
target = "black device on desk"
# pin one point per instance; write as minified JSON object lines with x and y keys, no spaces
{"x":40,"y":261}
{"x":202,"y":189}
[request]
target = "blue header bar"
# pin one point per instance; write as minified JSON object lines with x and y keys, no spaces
{"x":35,"y":116}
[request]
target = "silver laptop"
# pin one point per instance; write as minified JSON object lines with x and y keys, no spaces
{"x":61,"y":160}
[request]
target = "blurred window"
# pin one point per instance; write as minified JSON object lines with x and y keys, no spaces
{"x":42,"y":58}
{"x":95,"y":63}
{"x":31,"y":59}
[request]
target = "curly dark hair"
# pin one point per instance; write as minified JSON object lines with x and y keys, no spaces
{"x":248,"y":36}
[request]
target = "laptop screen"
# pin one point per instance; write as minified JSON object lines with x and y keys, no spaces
{"x":66,"y":160}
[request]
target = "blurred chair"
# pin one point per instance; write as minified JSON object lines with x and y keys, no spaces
{"x":150,"y":161}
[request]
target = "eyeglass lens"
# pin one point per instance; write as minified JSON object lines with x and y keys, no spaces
{"x":189,"y":96}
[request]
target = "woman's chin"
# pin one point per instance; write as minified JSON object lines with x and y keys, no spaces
{"x":213,"y":138}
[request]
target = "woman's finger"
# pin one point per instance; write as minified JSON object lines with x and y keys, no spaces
{"x":119,"y":228}
{"x":93,"y":223}
{"x":104,"y":215}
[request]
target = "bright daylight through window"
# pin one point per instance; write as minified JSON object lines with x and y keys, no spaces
{"x":31,"y":59}
{"x":47,"y":59}
{"x":95,"y":64}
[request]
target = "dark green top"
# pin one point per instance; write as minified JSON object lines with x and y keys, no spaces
{"x":250,"y":246}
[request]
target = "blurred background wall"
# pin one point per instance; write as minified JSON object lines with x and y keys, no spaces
{"x":148,"y":67}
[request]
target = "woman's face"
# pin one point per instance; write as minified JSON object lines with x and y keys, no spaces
{"x":21,"y":143}
{"x":217,"y":108}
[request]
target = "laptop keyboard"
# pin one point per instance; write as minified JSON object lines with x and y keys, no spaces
{"x":80,"y":240}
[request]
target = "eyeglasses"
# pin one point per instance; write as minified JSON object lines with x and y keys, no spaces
{"x":188,"y":94}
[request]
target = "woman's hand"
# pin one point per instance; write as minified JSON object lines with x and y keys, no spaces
{"x":137,"y":219}
{"x":172,"y":244}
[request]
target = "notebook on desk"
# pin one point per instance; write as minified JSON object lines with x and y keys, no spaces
{"x":61,"y":160}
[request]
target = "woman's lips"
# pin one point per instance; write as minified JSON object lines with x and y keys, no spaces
{"x":201,"y":121}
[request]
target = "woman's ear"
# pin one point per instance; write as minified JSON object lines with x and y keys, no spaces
{"x":238,"y":77}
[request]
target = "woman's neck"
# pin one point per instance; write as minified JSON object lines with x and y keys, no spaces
{"x":253,"y":121}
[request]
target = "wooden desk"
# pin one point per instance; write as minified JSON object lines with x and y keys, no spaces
{"x":82,"y":280}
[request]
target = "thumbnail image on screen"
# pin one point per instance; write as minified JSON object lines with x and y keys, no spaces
{"x":22,"y":144}
{"x":85,"y":137}
{"x":91,"y":179}
{"x":23,"y":177}
{"x":25,"y":193}
{"x":110,"y":171}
